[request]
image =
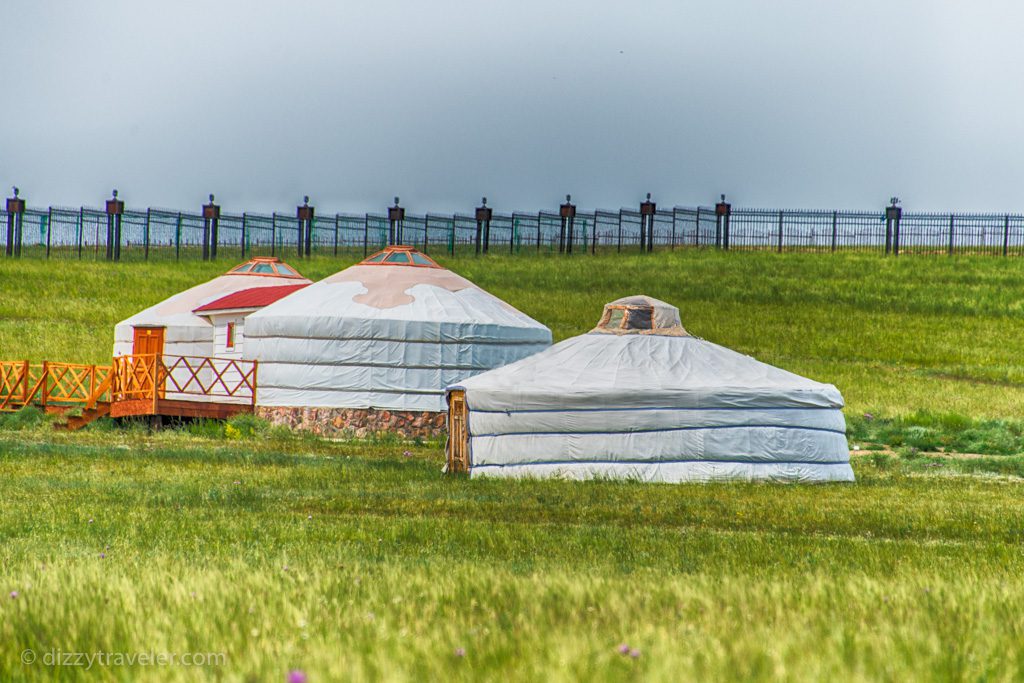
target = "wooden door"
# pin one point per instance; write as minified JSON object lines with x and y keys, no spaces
{"x":458,"y":433}
{"x":149,"y":344}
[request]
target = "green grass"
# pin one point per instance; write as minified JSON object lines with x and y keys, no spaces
{"x":120,"y":540}
{"x":895,"y":335}
{"x":355,"y":561}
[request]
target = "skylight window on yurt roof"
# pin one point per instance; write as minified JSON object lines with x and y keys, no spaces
{"x":398,"y":255}
{"x":640,"y":315}
{"x":267,"y":266}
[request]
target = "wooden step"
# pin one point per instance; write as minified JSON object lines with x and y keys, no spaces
{"x":78,"y":421}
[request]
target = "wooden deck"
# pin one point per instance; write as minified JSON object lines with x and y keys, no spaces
{"x":137,"y":385}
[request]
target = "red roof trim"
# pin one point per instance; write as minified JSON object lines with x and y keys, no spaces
{"x":254,"y":297}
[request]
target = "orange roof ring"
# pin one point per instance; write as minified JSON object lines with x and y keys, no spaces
{"x":267,"y":266}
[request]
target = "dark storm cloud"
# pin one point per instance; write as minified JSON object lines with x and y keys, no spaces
{"x":783,"y":103}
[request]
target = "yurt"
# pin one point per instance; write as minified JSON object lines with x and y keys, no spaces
{"x":638,"y":397}
{"x":181,"y":326}
{"x":373,"y":347}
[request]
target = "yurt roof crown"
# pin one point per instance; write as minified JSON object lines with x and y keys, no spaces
{"x":640,"y":315}
{"x":399,"y":255}
{"x":267,"y":266}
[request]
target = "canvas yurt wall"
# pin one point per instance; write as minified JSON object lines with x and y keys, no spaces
{"x":373,"y":347}
{"x":182,"y":331}
{"x":638,"y":397}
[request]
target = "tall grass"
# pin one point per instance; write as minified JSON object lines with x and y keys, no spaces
{"x":360,"y":562}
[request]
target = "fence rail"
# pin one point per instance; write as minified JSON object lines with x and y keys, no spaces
{"x":84,"y":233}
{"x":53,"y":384}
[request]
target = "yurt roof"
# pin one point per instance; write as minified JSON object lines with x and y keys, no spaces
{"x":647,"y":367}
{"x":258,"y":272}
{"x":398,"y":283}
{"x":254,"y":297}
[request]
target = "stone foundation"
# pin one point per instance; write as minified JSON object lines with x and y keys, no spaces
{"x":358,"y":422}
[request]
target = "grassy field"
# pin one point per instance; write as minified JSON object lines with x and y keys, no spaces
{"x":359,"y":561}
{"x":895,"y":335}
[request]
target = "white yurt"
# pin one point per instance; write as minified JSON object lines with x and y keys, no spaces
{"x":639,"y":397}
{"x":374,"y":346}
{"x":178,"y":326}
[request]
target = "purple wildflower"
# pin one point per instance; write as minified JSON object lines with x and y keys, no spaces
{"x":634,"y":653}
{"x":407,"y":454}
{"x":460,"y":652}
{"x":297,"y":676}
{"x":14,"y":594}
{"x":623,"y":649}
{"x":103,"y":556}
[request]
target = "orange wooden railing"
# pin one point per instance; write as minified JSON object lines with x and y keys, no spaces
{"x":53,"y":384}
{"x":145,"y":377}
{"x":153,"y":376}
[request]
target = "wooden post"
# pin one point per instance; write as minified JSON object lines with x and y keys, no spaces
{"x":45,"y":378}
{"x":951,"y":218}
{"x":336,"y":227}
{"x":24,"y":382}
{"x":252,"y":385}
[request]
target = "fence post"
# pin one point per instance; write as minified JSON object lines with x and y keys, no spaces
{"x":647,"y":212}
{"x":81,"y":229}
{"x":835,"y":230}
{"x":273,"y":233}
{"x":483,"y":226}
{"x":177,"y":239}
{"x":620,"y":230}
{"x":696,"y":232}
{"x":396,"y":216}
{"x":451,"y":236}
{"x":780,"y":232}
{"x":366,"y":234}
{"x":245,"y":219}
{"x":337,"y":226}
{"x":45,"y":381}
{"x":593,"y":236}
{"x":673,"y":245}
{"x":211,"y":220}
{"x":1006,"y":234}
{"x":951,"y":218}
{"x":24,"y":382}
{"x":722,"y":212}
{"x":539,"y":216}
{"x":567,"y":212}
{"x":49,"y":229}
{"x":15,"y":209}
{"x":115,"y":208}
{"x":892,"y":226}
{"x":305,"y":215}
{"x":145,"y":248}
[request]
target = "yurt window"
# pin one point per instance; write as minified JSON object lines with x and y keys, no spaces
{"x":263,"y":268}
{"x":640,"y":318}
{"x":244,"y":268}
{"x":398,"y":257}
{"x":376,"y":259}
{"x":421,"y":260}
{"x":229,"y":337}
{"x":285,"y":270}
{"x":615,"y":318}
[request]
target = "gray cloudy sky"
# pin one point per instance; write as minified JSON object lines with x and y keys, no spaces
{"x":796,"y":104}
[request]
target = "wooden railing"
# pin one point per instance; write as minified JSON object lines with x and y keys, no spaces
{"x":53,"y":384}
{"x":189,"y":378}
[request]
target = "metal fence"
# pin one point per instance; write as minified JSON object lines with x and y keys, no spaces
{"x":85,"y":233}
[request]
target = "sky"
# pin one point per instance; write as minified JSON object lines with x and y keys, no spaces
{"x":788,"y":104}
